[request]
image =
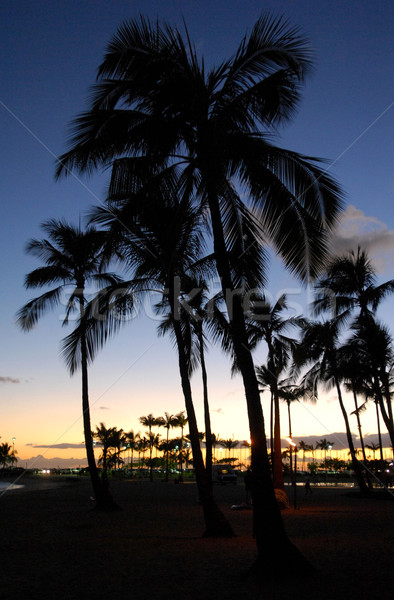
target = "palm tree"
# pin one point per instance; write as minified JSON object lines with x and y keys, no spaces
{"x":104,"y":435}
{"x":373,"y":447}
{"x":7,"y":455}
{"x":320,"y":346}
{"x":349,"y":287}
{"x":131,"y":440}
{"x":229,"y":444}
{"x":150,"y":421}
{"x":324,"y":445}
{"x":181,"y":422}
{"x":305,"y":448}
{"x":168,"y":422}
{"x":162,"y":242}
{"x":71,"y":257}
{"x":155,"y":104}
{"x":118,"y":441}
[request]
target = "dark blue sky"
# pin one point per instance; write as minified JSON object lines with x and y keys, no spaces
{"x":50,"y":53}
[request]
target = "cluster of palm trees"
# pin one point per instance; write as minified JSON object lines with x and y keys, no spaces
{"x":7,"y":455}
{"x":194,"y":167}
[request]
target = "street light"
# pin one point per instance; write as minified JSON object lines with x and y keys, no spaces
{"x":293,"y":446}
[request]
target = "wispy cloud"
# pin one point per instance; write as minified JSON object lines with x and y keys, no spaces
{"x":9,"y":380}
{"x":63,"y":446}
{"x":358,"y":229}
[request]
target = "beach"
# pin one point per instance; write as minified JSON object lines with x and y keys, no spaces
{"x":55,"y":546}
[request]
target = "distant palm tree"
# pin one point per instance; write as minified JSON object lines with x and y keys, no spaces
{"x":7,"y":455}
{"x":305,"y":448}
{"x":181,"y":422}
{"x":72,"y":257}
{"x":131,"y":440}
{"x":229,"y":444}
{"x":168,"y":422}
{"x":324,"y":445}
{"x":319,"y":346}
{"x":347,"y":288}
{"x":373,"y":447}
{"x":150,"y":421}
{"x":104,"y":436}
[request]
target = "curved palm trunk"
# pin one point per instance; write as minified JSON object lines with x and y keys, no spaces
{"x":356,"y":464}
{"x":207,"y":418}
{"x":215,"y":522}
{"x":359,"y":425}
{"x":271,"y":538}
{"x":361,"y":439}
{"x":104,"y":499}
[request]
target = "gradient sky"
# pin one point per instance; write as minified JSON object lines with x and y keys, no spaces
{"x":51,"y":51}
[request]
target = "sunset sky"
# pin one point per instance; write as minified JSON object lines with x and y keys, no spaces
{"x":51,"y":50}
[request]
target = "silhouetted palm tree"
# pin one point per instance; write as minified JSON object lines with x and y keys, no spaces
{"x":181,"y":422}
{"x":305,"y":448}
{"x":131,"y":440}
{"x":104,"y":436}
{"x":319,"y":346}
{"x":150,"y":421}
{"x":168,"y":422}
{"x":156,"y":104}
{"x":349,"y":288}
{"x":72,"y":257}
{"x":7,"y":455}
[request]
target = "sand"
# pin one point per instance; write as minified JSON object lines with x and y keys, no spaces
{"x":54,"y":546}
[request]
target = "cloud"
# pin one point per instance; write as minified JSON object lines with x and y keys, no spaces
{"x":9,"y":380}
{"x":103,"y":408}
{"x":64,"y":446}
{"x":218,"y":410}
{"x":358,"y":229}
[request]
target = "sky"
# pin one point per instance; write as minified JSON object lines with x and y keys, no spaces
{"x":50,"y":54}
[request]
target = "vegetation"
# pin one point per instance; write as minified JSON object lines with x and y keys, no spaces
{"x":191,"y":156}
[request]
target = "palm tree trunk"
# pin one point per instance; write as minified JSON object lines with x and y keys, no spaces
{"x":279,"y":483}
{"x":356,"y":465}
{"x":271,"y":538}
{"x":215,"y":522}
{"x":359,"y":425}
{"x":272,"y":428}
{"x":379,"y":431}
{"x":207,"y":418}
{"x":104,"y":499}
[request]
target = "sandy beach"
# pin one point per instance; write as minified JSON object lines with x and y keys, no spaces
{"x":54,"y":546}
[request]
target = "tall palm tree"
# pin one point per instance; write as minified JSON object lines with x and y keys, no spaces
{"x":155,"y":103}
{"x":7,"y":455}
{"x":72,"y":257}
{"x":131,"y":440}
{"x":104,"y":435}
{"x":324,"y":445}
{"x":161,"y":243}
{"x":168,"y":422}
{"x":372,"y":446}
{"x":348,"y":288}
{"x":305,"y":448}
{"x":319,"y":346}
{"x":150,"y":421}
{"x":181,"y":422}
